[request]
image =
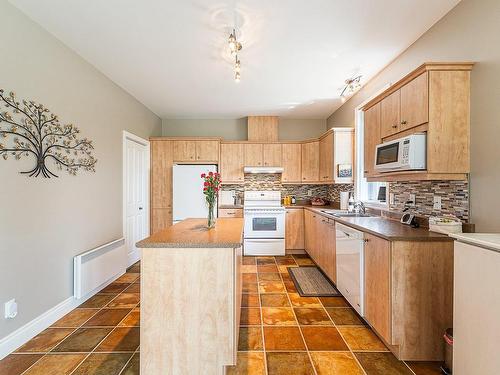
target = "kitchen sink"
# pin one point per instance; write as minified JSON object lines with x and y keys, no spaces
{"x":339,"y":213}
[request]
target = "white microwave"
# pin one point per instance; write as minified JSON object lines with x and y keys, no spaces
{"x":403,"y":154}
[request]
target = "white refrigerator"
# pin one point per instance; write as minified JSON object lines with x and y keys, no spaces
{"x":188,"y":198}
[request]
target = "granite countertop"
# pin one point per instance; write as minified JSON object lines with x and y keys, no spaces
{"x":388,"y":229}
{"x":490,"y":241}
{"x":309,"y":205}
{"x":190,"y":233}
{"x":231,"y":206}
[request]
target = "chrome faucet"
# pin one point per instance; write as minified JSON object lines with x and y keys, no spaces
{"x":360,"y":207}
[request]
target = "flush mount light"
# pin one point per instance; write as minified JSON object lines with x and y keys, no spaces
{"x":351,"y":86}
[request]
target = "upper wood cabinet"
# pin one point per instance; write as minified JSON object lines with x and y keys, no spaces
{"x":263,"y":128}
{"x":253,"y":154}
{"x":433,"y":99}
{"x":196,"y":150}
{"x":371,"y":138}
{"x":232,"y":162}
{"x":291,"y":162}
{"x":310,"y":161}
{"x":326,"y":158}
{"x":294,"y":229}
{"x":271,"y":155}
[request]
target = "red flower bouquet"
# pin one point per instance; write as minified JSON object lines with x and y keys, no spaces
{"x":211,"y":186}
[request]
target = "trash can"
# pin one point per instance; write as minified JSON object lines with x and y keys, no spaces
{"x":448,"y":352}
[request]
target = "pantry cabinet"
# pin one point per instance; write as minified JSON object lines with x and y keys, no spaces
{"x":294,"y":229}
{"x":291,"y":162}
{"x":310,"y":161}
{"x":161,"y":184}
{"x":232,"y":162}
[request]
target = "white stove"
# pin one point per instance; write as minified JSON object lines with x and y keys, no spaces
{"x":264,"y":232}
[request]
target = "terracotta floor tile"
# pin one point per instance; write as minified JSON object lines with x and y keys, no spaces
{"x":250,"y":338}
{"x":283,"y":338}
{"x":248,"y":363}
{"x":125,"y":300}
{"x":382,"y":364}
{"x":274,"y":300}
{"x":305,"y":262}
{"x":334,"y":302}
{"x":83,"y":340}
{"x":296,"y":363}
{"x":426,"y":368}
{"x":285,"y":277}
{"x":136,"y":268}
{"x":128,"y":278}
{"x":344,"y":316}
{"x":290,"y":287}
{"x":285,"y":261}
{"x":107,"y":318}
{"x":249,"y":287}
{"x":15,"y":364}
{"x":97,"y":301}
{"x":283,"y":269}
{"x":249,"y":261}
{"x":103,"y":364}
{"x":249,"y":268}
{"x":265,"y":260}
{"x":75,"y":318}
{"x":301,"y":256}
{"x":299,"y":301}
{"x":335,"y":363}
{"x":133,"y":288}
{"x":133,"y":319}
{"x":250,"y":300}
{"x":46,"y":340}
{"x":271,"y":287}
{"x":323,"y":338}
{"x":278,"y":316}
{"x":114,"y":288}
{"x":249,"y":278}
{"x":268,"y":268}
{"x":249,"y":316}
{"x":56,"y":364}
{"x":312,"y":316}
{"x":361,"y":338}
{"x":124,"y":339}
{"x":269,"y":277}
{"x":133,"y":367}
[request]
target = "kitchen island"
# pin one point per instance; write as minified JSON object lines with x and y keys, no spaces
{"x":191,"y":297}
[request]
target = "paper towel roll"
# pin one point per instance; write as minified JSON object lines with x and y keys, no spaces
{"x":344,"y":200}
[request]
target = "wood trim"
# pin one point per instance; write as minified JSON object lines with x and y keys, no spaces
{"x":161,"y":138}
{"x":417,"y":176}
{"x":428,"y":66}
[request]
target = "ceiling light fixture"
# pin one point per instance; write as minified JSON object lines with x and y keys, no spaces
{"x":351,"y":86}
{"x":235,"y":47}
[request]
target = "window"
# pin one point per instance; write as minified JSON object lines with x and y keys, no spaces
{"x":374,"y":193}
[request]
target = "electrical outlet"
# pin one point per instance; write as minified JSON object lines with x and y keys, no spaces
{"x":391,"y":198}
{"x":309,"y":193}
{"x":437,"y":203}
{"x":10,"y":309}
{"x":413,"y":198}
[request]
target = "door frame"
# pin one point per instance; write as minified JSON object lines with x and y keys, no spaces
{"x":127,"y":136}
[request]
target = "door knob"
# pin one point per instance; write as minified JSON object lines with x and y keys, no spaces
{"x":140,"y":208}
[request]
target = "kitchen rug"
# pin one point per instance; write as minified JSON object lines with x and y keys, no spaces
{"x":311,"y":282}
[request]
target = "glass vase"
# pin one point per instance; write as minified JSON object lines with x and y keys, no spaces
{"x":211,"y":215}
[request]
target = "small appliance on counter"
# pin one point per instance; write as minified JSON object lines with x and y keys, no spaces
{"x":318,"y":202}
{"x":344,"y":200}
{"x":445,"y":224}
{"x":227,"y":198}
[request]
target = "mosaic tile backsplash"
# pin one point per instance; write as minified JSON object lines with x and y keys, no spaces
{"x":454,"y":197}
{"x":273,"y":182}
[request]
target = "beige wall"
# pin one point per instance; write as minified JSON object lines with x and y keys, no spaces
{"x":236,"y":129}
{"x":470,"y":32}
{"x":44,"y":223}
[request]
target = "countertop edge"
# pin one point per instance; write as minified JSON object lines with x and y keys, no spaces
{"x":174,"y":245}
{"x":477,"y":239}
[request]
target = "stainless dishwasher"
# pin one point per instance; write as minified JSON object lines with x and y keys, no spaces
{"x":350,"y":265}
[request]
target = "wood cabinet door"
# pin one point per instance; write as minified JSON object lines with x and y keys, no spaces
{"x":253,"y":154}
{"x":161,"y":174}
{"x":415,"y":102}
{"x":291,"y":162}
{"x":326,"y":158}
{"x":272,"y":155}
{"x":390,"y":114}
{"x":207,"y":151}
{"x":161,"y":218}
{"x":309,"y":232}
{"x":371,"y":138}
{"x":378,"y":285}
{"x":328,"y":253}
{"x":184,"y":150}
{"x":231,"y":162}
{"x":230,"y":212}
{"x":310,"y":161}
{"x":294,"y":229}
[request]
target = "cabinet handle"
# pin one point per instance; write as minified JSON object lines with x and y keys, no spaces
{"x":404,"y":122}
{"x":366,"y":240}
{"x":394,"y":126}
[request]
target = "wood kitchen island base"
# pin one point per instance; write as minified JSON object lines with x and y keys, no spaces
{"x":190,"y":298}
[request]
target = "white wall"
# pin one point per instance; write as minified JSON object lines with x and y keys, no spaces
{"x":469,"y":32}
{"x":45,"y":222}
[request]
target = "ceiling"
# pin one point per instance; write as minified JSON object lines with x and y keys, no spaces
{"x":172,"y":55}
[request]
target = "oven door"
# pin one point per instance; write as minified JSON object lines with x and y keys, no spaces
{"x":264,"y":223}
{"x":388,"y":156}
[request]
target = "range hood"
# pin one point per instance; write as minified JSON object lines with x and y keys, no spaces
{"x":263,"y":169}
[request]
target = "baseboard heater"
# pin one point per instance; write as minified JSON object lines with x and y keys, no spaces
{"x":98,"y":266}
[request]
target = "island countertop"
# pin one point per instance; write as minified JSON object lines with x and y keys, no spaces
{"x":189,"y":233}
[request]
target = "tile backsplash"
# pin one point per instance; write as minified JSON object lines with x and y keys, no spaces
{"x":273,"y":182}
{"x":454,"y":197}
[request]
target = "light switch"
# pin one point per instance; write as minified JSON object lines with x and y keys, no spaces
{"x":437,"y":203}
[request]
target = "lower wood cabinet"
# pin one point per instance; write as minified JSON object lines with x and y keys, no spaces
{"x":294,"y":229}
{"x":230,"y":212}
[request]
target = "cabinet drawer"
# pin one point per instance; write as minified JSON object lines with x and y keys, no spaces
{"x":230,"y":212}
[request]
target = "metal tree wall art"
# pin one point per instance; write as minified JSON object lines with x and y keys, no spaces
{"x":30,"y":129}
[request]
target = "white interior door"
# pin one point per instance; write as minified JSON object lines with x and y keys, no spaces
{"x":136,"y":176}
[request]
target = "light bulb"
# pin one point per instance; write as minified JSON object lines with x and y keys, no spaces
{"x":237,"y":77}
{"x":237,"y":66}
{"x":342,"y":98}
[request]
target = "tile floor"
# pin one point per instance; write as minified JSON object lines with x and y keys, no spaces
{"x":281,"y":332}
